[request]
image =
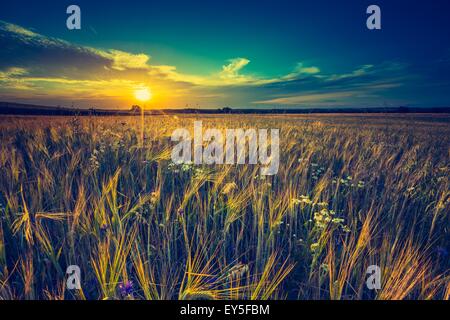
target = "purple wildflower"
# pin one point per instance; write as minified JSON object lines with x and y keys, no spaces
{"x":126,"y":288}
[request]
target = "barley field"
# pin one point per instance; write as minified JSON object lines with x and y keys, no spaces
{"x":352,"y":191}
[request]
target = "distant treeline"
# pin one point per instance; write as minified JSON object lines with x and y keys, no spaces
{"x":10,"y":108}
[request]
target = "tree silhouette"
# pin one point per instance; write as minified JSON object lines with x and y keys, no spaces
{"x":136,"y":109}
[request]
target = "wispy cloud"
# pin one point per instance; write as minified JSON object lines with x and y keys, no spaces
{"x":232,"y":69}
{"x":308,"y":98}
{"x":125,"y":60}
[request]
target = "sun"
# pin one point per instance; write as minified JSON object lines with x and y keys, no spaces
{"x":143,"y":94}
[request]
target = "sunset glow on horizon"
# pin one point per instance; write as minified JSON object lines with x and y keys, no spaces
{"x":143,"y":94}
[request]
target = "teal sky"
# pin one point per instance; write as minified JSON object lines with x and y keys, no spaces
{"x":257,"y":54}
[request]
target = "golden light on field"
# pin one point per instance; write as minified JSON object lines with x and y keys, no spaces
{"x":143,"y":94}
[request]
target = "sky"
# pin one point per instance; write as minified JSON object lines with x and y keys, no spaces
{"x":214,"y":54}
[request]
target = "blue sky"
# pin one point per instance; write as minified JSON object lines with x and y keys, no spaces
{"x":258,"y":54}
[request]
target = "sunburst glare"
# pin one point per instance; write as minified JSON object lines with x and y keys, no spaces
{"x":143,"y":94}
